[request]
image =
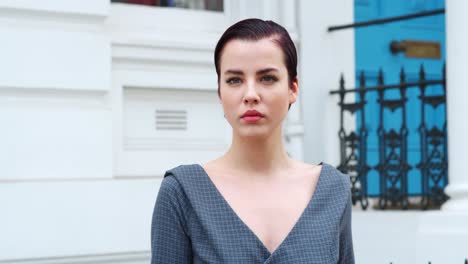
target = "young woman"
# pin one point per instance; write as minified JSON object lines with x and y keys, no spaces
{"x":254,"y":204}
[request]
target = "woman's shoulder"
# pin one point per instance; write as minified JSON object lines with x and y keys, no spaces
{"x":333,"y":190}
{"x":184,"y":170}
{"x":329,"y":176}
{"x":328,"y":171}
{"x":178,"y":180}
{"x":336,"y":176}
{"x":183,"y":178}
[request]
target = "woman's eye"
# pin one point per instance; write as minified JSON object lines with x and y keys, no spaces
{"x":233,"y":81}
{"x":269,"y":79}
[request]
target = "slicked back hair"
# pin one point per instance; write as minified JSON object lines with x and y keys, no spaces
{"x":254,"y":29}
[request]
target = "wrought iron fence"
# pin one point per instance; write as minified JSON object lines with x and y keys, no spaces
{"x":391,"y":151}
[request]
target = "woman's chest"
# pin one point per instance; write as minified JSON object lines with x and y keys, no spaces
{"x":232,"y":240}
{"x":270,"y":211}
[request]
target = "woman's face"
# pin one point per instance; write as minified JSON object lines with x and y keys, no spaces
{"x":254,"y":86}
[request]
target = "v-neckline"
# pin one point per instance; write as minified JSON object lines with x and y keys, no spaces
{"x":251,"y":232}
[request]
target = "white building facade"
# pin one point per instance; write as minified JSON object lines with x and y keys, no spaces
{"x":96,"y":80}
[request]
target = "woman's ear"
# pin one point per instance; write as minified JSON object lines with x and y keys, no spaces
{"x":294,"y":90}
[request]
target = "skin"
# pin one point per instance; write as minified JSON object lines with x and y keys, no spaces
{"x":265,"y":187}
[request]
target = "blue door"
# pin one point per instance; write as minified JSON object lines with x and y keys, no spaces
{"x":372,"y":53}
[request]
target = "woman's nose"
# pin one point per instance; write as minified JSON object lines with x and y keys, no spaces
{"x":251,"y":95}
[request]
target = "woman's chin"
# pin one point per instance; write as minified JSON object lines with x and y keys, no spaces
{"x":253,"y":132}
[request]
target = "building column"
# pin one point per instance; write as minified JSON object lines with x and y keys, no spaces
{"x":457,"y":104}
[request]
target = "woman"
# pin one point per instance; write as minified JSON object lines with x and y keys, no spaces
{"x":254,"y":204}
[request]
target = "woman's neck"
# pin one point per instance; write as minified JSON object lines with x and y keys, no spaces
{"x":258,"y":155}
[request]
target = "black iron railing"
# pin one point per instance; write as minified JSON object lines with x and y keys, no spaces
{"x":393,"y":166}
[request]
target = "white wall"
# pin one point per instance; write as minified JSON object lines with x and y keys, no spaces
{"x":324,"y":56}
{"x":55,"y":116}
{"x":75,"y":218}
{"x":80,"y":83}
{"x":88,"y":8}
{"x":56,"y":136}
{"x":408,"y":237}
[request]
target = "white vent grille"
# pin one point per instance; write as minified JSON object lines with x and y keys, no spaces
{"x":171,"y":119}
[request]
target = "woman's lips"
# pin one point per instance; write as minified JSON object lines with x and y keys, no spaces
{"x":252,"y":116}
{"x":252,"y":119}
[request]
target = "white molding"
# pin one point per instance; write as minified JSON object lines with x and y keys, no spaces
{"x":31,"y":19}
{"x":17,"y":96}
{"x":160,"y":27}
{"x":82,"y":8}
{"x":154,"y":18}
{"x":111,"y":258}
{"x":161,"y":53}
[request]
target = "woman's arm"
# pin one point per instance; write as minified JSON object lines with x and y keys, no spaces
{"x":346,"y":238}
{"x":169,"y":240}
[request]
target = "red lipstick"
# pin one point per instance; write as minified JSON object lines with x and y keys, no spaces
{"x":252,"y":116}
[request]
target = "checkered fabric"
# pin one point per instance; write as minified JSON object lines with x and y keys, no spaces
{"x":193,"y":223}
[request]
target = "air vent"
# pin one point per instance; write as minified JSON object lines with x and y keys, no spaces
{"x":171,"y":119}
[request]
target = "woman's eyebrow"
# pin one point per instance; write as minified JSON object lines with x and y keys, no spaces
{"x":259,"y":72}
{"x":237,"y":72}
{"x":263,"y":71}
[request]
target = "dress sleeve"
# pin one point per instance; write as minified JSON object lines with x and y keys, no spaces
{"x":346,"y":239}
{"x":169,"y":240}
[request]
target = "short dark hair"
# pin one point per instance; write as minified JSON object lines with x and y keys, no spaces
{"x":254,"y":29}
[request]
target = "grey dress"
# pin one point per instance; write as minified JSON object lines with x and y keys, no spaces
{"x":193,"y":223}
